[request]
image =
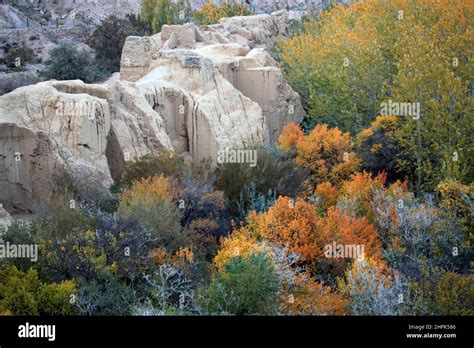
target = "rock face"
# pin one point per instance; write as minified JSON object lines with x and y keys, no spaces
{"x":268,"y":6}
{"x":191,"y":90}
{"x":5,"y":218}
{"x":47,"y":132}
{"x":54,"y":133}
{"x":67,"y":10}
{"x":232,"y":50}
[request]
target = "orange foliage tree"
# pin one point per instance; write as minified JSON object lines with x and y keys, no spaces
{"x":355,"y":197}
{"x":299,"y":293}
{"x":325,"y":152}
{"x":239,"y":243}
{"x":308,"y":297}
{"x":327,"y":194}
{"x":297,"y":226}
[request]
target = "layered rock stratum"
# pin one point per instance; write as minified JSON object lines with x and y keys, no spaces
{"x":192,"y":90}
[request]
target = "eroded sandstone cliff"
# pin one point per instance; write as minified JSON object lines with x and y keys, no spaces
{"x":192,"y":90}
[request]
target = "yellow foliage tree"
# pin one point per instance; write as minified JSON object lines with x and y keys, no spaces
{"x":353,"y":58}
{"x":152,"y":201}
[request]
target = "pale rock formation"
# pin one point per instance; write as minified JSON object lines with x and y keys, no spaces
{"x":191,"y":90}
{"x":234,"y":47}
{"x":48,"y":131}
{"x":268,"y":6}
{"x":202,"y":110}
{"x":54,"y":130}
{"x":5,"y":219}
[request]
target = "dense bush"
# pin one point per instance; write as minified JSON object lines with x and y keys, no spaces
{"x":109,"y":37}
{"x":25,"y":294}
{"x":455,"y":294}
{"x":163,"y":163}
{"x":244,"y":287}
{"x":377,"y":146}
{"x":420,"y":235}
{"x":20,"y":54}
{"x":104,"y":295}
{"x":210,"y":13}
{"x":296,"y":225}
{"x":114,"y":243}
{"x":69,"y":63}
{"x":371,"y":291}
{"x":273,"y":173}
{"x":325,"y":152}
{"x":153,"y":202}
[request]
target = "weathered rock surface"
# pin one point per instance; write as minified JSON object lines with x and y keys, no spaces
{"x":268,"y":6}
{"x":192,"y":90}
{"x":234,"y":47}
{"x":67,"y":10}
{"x":5,"y":218}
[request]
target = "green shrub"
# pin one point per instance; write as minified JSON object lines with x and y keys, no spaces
{"x":22,"y":53}
{"x":69,"y":63}
{"x":164,"y":163}
{"x":24,"y":294}
{"x":273,"y":173}
{"x":245,"y":287}
{"x":455,"y":294}
{"x":109,"y":37}
{"x":104,"y":295}
{"x":156,"y":13}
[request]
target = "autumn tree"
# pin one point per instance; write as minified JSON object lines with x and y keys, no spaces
{"x":308,"y":297}
{"x":326,"y":195}
{"x":238,"y":244}
{"x":325,"y":152}
{"x":455,"y":294}
{"x":377,"y":146}
{"x":436,"y":75}
{"x":340,"y":63}
{"x":210,"y":13}
{"x":456,"y":199}
{"x":350,"y":60}
{"x":357,"y":193}
{"x":297,"y":226}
